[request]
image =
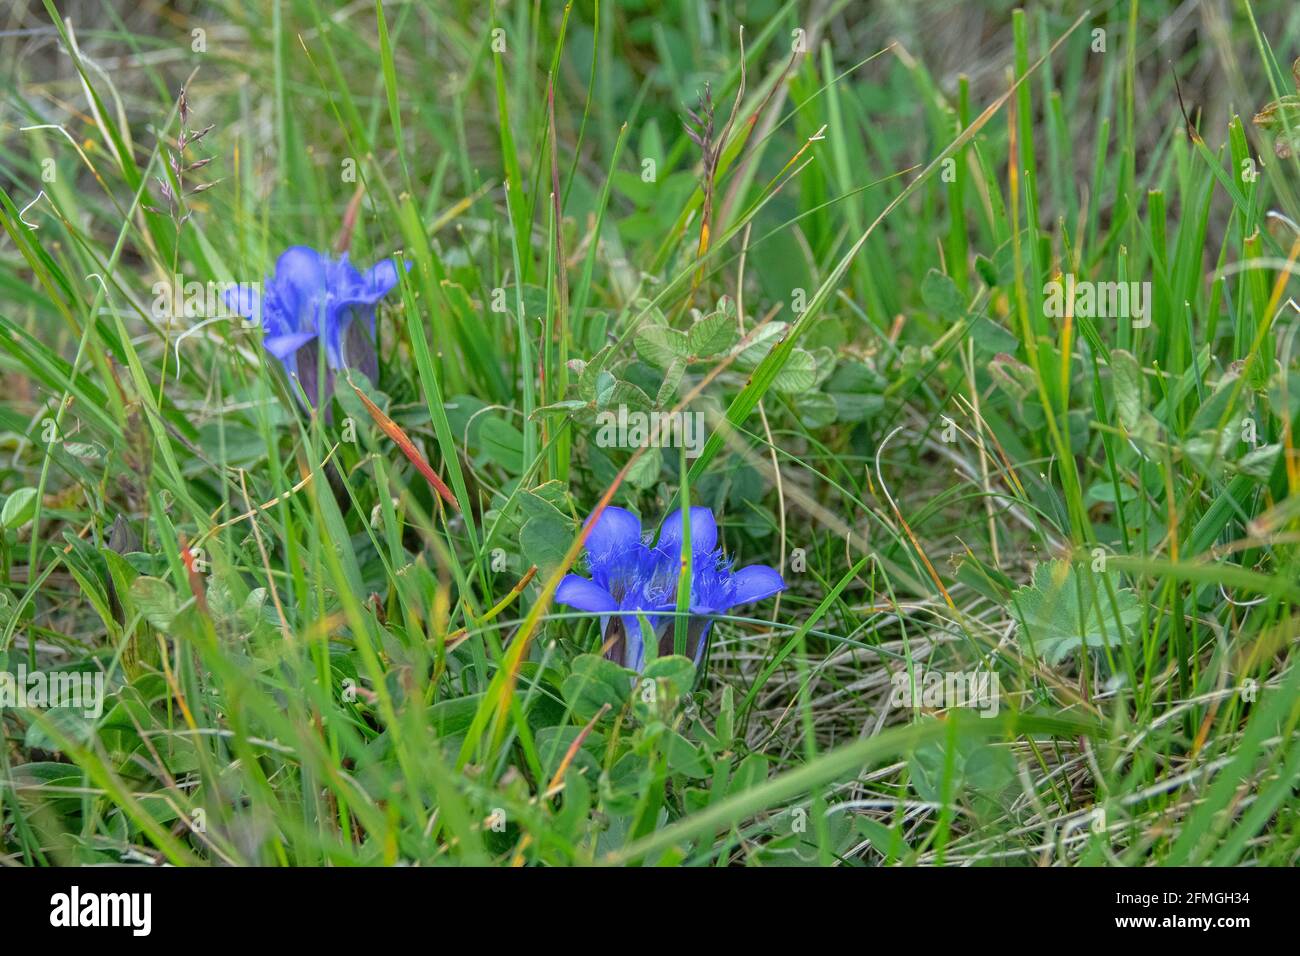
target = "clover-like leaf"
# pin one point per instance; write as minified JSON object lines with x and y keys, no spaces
{"x":713,"y":334}
{"x":659,"y":345}
{"x":799,"y":374}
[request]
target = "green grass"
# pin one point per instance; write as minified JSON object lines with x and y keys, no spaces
{"x":311,"y":658}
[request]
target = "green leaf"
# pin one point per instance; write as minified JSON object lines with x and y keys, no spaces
{"x":886,"y":841}
{"x":726,"y":725}
{"x":824,"y":360}
{"x":672,"y":378}
{"x":591,"y":371}
{"x":1062,"y":612}
{"x":942,"y":297}
{"x":1259,"y":463}
{"x":798,"y":375}
{"x":712,"y":335}
{"x":604,"y":388}
{"x":991,"y":338}
{"x":857,"y":391}
{"x":816,"y":410}
{"x":544,"y":540}
{"x":1215,"y":408}
{"x":68,"y":721}
{"x":762,"y":342}
{"x":567,"y":407}
{"x":625,"y":393}
{"x":19,"y":508}
{"x":927,"y":767}
{"x":503,"y":443}
{"x":1127,"y":385}
{"x":659,"y":345}
{"x":1284,"y":395}
{"x":554,"y":742}
{"x":987,"y":580}
{"x":644,"y":473}
{"x":595,"y":681}
{"x":155,"y":599}
{"x":673,"y":675}
{"x":683,"y":757}
{"x":750,"y":773}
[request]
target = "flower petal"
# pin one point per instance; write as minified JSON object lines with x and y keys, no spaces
{"x":755,"y":583}
{"x":699,"y":639}
{"x":284,"y":346}
{"x":585,"y":595}
{"x":617,"y":529}
{"x":633,"y":643}
{"x":381,"y":277}
{"x":704,"y":532}
{"x":359,"y":352}
{"x":300,"y":281}
{"x":244,"y":300}
{"x":351,"y":288}
{"x":344,"y":279}
{"x":352,"y":307}
{"x":305,"y":367}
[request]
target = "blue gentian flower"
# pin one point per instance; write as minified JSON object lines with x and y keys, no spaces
{"x":312,"y":301}
{"x":630,"y":577}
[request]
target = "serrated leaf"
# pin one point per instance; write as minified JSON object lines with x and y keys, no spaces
{"x":1063,"y":611}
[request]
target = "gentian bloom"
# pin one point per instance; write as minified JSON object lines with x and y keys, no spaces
{"x":312,"y":301}
{"x":628,"y":577}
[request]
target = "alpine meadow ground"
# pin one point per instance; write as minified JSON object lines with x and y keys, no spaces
{"x":765,"y":433}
